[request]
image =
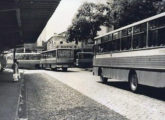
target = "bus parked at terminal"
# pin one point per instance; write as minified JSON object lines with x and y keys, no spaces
{"x":25,"y":60}
{"x":58,"y":58}
{"x":84,"y":59}
{"x":134,"y":53}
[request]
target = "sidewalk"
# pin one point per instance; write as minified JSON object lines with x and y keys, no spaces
{"x":9,"y":95}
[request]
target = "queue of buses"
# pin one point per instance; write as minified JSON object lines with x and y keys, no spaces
{"x":63,"y":58}
{"x":134,"y":53}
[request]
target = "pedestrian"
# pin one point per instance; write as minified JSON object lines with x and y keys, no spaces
{"x":16,"y":75}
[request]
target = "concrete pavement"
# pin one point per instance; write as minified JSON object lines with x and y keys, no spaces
{"x":9,"y":96}
{"x":49,"y":99}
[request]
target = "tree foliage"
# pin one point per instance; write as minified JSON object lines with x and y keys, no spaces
{"x":118,"y":13}
{"x":125,"y":12}
{"x":87,"y":22}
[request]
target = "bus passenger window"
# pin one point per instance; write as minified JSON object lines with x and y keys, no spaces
{"x":104,"y":39}
{"x":54,"y":54}
{"x":126,"y":43}
{"x":157,"y":32}
{"x":110,"y":37}
{"x":116,"y":45}
{"x":161,"y":21}
{"x":126,"y":37}
{"x":139,"y":41}
{"x":161,"y":37}
{"x":139,"y":36}
{"x":124,"y":33}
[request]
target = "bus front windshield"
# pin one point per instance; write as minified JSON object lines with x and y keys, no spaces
{"x":65,"y":53}
{"x":85,"y":56}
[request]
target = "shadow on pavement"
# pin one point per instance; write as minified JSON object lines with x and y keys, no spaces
{"x":9,"y":94}
{"x":6,"y":76}
{"x":156,"y":93}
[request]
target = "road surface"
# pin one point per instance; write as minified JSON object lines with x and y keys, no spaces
{"x":49,"y":99}
{"x":42,"y":85}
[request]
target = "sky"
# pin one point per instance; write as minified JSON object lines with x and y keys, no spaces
{"x":62,"y":18}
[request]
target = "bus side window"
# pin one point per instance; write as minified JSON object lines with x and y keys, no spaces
{"x":139,"y":36}
{"x":108,"y":46}
{"x":116,"y":41}
{"x":104,"y":39}
{"x":161,"y":31}
{"x":54,"y":53}
{"x":157,"y":32}
{"x":126,"y":37}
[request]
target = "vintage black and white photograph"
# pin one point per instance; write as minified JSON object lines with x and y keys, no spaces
{"x":82,"y":59}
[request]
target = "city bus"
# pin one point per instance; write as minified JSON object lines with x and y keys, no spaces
{"x":25,"y":60}
{"x":84,"y":59}
{"x":133,"y":53}
{"x":58,"y":58}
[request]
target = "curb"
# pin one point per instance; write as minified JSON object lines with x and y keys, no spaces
{"x":21,"y":112}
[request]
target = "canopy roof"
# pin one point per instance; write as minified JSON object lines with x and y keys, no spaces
{"x":22,"y":21}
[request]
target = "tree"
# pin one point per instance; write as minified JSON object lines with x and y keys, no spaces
{"x":160,"y":6}
{"x":125,"y":12}
{"x":87,"y":22}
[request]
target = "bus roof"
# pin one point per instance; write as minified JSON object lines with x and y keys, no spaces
{"x":57,"y":49}
{"x":85,"y":52}
{"x":133,"y":24}
{"x":23,"y":53}
{"x":28,"y":53}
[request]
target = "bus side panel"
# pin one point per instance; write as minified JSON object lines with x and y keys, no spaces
{"x":151,"y":78}
{"x":118,"y":74}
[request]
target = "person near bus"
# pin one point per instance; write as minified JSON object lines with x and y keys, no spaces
{"x":16,"y":75}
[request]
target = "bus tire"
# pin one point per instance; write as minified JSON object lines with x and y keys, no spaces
{"x":54,"y":69}
{"x":37,"y":66}
{"x":102,"y":78}
{"x":133,"y":81}
{"x":64,"y":69}
{"x":50,"y":66}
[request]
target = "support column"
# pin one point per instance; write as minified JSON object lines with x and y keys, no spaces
{"x":14,"y":54}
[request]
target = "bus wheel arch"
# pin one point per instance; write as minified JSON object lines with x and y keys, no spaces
{"x":99,"y":71}
{"x":133,"y":81}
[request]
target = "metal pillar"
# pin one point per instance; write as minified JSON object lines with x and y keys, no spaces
{"x":14,"y":54}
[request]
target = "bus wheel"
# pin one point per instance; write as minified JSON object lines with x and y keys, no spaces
{"x":55,"y":69}
{"x":42,"y":66}
{"x":37,"y":66}
{"x":133,"y":82}
{"x":103,"y":79}
{"x":50,"y":66}
{"x":64,"y":69}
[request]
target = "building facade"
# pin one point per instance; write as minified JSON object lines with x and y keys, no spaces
{"x":59,"y":41}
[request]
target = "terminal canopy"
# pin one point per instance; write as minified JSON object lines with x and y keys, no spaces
{"x":22,"y":21}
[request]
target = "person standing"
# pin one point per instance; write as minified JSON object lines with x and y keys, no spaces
{"x":15,"y":67}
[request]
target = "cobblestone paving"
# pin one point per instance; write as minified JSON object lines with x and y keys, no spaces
{"x":49,"y":99}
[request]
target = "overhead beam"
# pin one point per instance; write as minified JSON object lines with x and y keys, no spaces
{"x":8,"y":10}
{"x":18,"y":14}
